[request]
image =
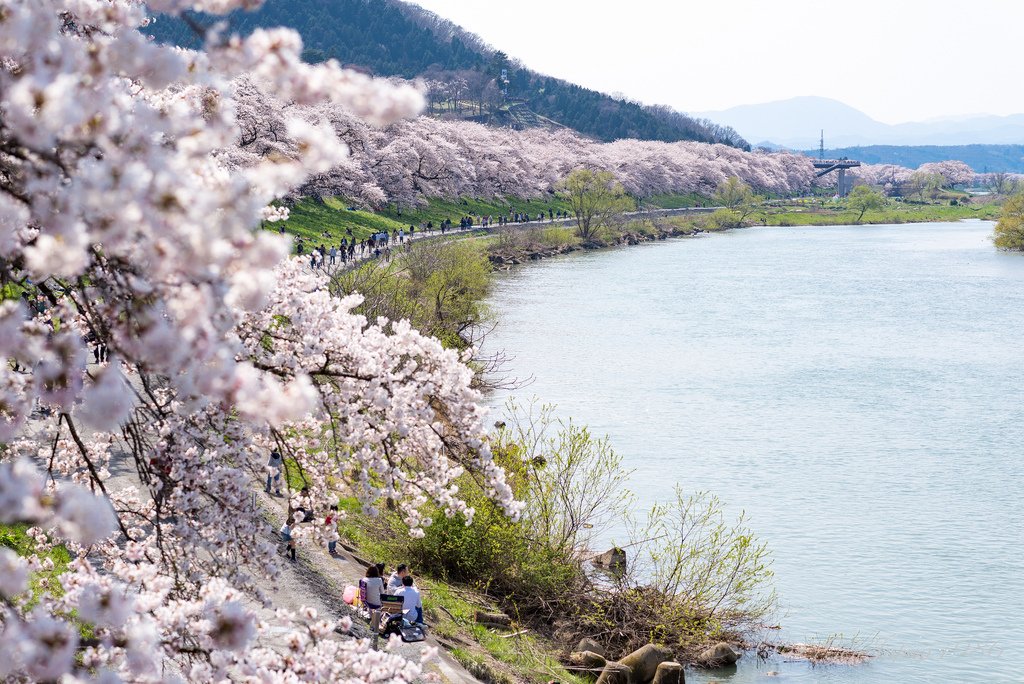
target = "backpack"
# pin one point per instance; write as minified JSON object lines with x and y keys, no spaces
{"x":409,"y":632}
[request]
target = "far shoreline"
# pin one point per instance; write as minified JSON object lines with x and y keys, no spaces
{"x":505,"y":259}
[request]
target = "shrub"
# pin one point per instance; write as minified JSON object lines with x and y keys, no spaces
{"x":723,"y":219}
{"x":1009,"y":231}
{"x":438,"y":286}
{"x":693,"y":576}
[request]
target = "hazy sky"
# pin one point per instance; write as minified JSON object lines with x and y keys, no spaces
{"x":904,"y":60}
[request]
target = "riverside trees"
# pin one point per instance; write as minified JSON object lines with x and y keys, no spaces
{"x":1009,"y":231}
{"x":424,"y":157}
{"x":738,"y":201}
{"x":595,"y":197}
{"x":124,"y":220}
{"x":864,"y":199}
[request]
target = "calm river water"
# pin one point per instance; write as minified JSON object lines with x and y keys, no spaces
{"x":856,"y":390}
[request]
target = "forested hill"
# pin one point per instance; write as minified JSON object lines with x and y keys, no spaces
{"x":394,"y":38}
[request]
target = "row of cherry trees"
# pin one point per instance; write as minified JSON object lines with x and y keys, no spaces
{"x":411,"y":160}
{"x":944,"y":174}
{"x":123,"y":223}
{"x":425,"y":157}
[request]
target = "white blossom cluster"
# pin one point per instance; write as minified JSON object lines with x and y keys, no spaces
{"x":147,"y":327}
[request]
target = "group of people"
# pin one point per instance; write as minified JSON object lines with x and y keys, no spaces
{"x":372,"y":589}
{"x":372,"y":586}
{"x":379,"y":244}
{"x":468,"y":222}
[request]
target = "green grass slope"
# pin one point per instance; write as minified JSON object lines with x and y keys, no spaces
{"x":328,"y":222}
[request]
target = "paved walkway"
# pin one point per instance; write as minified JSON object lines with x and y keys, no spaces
{"x":339,"y":265}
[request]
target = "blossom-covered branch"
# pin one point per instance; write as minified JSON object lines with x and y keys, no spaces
{"x":127,"y":235}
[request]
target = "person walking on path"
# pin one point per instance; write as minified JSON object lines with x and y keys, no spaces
{"x":331,"y":523}
{"x":275,"y":464}
{"x":286,"y":537}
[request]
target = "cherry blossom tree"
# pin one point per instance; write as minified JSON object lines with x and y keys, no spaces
{"x":131,"y":182}
{"x":953,"y":172}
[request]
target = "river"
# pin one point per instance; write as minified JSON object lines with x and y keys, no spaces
{"x":855,"y":389}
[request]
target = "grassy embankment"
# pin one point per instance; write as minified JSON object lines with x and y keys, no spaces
{"x":828,"y":213}
{"x":328,"y":221}
{"x":692,"y":199}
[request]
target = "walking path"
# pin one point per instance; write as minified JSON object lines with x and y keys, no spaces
{"x":420,"y":235}
{"x":316,"y":579}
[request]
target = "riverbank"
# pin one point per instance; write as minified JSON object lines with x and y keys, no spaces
{"x":508,"y":655}
{"x":519,"y":245}
{"x":329,"y":220}
{"x":807,"y":376}
{"x":835,"y":213}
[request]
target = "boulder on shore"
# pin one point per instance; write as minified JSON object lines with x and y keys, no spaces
{"x":588,"y":644}
{"x":669,"y":672}
{"x":612,"y":559}
{"x":615,"y":673}
{"x":719,"y":655}
{"x":644,"y":661}
{"x":587,"y":663}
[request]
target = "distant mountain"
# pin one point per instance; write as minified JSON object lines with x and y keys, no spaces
{"x":981,"y":158}
{"x":797,"y":123}
{"x":395,"y":38}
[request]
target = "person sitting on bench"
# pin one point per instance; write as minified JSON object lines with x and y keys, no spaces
{"x":412,"y":605}
{"x":371,"y":587}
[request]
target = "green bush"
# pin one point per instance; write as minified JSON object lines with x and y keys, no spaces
{"x":693,"y":577}
{"x":438,"y":286}
{"x":722,"y":219}
{"x":1009,"y":232}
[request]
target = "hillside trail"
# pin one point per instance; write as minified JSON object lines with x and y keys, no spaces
{"x":318,"y":580}
{"x":315,"y":580}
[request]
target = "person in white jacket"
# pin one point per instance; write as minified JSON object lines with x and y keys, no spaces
{"x":412,"y":605}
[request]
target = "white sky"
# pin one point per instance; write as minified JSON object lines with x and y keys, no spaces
{"x":904,"y":60}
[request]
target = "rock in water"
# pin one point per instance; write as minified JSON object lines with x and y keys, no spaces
{"x":588,"y":644}
{"x":644,"y":661}
{"x":588,"y":663}
{"x":613,"y":559}
{"x":718,"y":655}
{"x":669,"y":672}
{"x":615,"y":673}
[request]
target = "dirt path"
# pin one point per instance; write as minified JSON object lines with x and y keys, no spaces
{"x":318,"y":580}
